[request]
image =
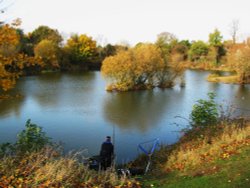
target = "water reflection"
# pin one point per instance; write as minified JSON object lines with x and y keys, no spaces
{"x":74,"y":108}
{"x":242,"y":100}
{"x":12,"y":107}
{"x":138,"y":110}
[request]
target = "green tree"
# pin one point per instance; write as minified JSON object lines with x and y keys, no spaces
{"x":198,"y":51}
{"x":205,"y":112}
{"x":106,"y":51}
{"x":26,"y":46}
{"x":44,"y":32}
{"x":216,"y":45}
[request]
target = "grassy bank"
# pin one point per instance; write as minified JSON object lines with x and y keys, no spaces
{"x":234,"y":79}
{"x":208,"y":66}
{"x":217,"y":157}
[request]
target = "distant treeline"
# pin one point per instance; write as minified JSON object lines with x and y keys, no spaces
{"x":44,"y":49}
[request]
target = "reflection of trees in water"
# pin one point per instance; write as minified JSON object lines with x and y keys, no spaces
{"x":46,"y":89}
{"x":140,"y":110}
{"x":54,"y":90}
{"x":50,"y":90}
{"x":234,"y":99}
{"x":242,"y":100}
{"x":11,"y":106}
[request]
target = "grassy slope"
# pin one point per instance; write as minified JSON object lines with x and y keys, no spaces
{"x":233,"y":172}
{"x":217,"y":170}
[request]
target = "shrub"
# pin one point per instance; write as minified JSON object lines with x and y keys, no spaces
{"x":32,"y":138}
{"x":205,"y":112}
{"x":29,"y":140}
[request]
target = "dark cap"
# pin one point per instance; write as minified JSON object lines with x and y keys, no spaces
{"x":108,"y":137}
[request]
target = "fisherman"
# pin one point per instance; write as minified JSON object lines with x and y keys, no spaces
{"x":106,"y":153}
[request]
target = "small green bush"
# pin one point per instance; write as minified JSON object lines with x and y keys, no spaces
{"x":205,"y":112}
{"x":29,"y":140}
{"x":32,"y":138}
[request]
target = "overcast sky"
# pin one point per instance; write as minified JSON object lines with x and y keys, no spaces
{"x":133,"y":21}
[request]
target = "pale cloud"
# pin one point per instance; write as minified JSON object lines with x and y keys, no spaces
{"x":134,"y":20}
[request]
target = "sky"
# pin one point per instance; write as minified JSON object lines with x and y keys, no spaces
{"x":133,"y":21}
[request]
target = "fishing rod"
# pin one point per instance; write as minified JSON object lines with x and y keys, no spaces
{"x":113,"y":143}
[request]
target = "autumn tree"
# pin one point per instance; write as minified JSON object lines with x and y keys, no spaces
{"x":179,"y":51}
{"x":242,"y":59}
{"x":118,"y":70}
{"x":81,"y":48}
{"x":149,"y":62}
{"x":48,"y":51}
{"x":141,"y":67}
{"x":12,"y":62}
{"x":8,"y":49}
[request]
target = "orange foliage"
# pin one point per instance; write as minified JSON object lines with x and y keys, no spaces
{"x":12,"y":62}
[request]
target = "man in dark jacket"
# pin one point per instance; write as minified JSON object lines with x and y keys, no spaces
{"x":106,"y":154}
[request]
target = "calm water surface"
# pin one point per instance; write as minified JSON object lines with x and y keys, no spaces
{"x":75,"y":108}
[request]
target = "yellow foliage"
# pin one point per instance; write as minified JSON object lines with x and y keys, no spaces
{"x":141,"y":67}
{"x":81,"y":48}
{"x":47,"y":51}
{"x":9,"y":40}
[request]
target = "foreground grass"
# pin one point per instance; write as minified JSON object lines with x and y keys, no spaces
{"x":49,"y":168}
{"x":211,"y":159}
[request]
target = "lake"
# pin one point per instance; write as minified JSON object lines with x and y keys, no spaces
{"x":74,"y":108}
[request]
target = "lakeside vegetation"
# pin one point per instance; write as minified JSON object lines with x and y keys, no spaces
{"x":144,"y":66}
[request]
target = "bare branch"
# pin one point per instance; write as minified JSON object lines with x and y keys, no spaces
{"x":234,"y":28}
